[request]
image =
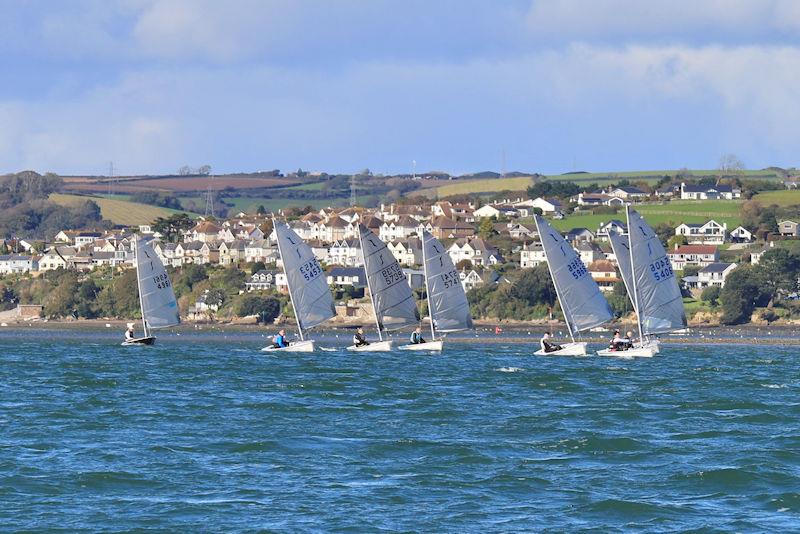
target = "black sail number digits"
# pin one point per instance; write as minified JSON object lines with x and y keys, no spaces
{"x":661,"y":269}
{"x":311,"y":269}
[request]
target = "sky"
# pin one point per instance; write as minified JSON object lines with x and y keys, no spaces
{"x":455,"y":85}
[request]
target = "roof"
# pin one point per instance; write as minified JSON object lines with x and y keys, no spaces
{"x":716,"y":267}
{"x":15,"y":257}
{"x":206,"y":228}
{"x":721,"y":188}
{"x":694,"y":249}
{"x":630,"y":190}
{"x":602,"y":266}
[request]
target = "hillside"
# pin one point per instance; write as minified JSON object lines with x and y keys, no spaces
{"x":174,"y":183}
{"x":117,"y":211}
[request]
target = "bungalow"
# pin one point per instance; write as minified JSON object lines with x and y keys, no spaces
{"x":531,"y":255}
{"x":613,"y":226}
{"x":709,"y":233}
{"x":263,"y":279}
{"x":715,"y":192}
{"x":789,"y":228}
{"x":755,"y":256}
{"x":604,"y":273}
{"x":714,"y":274}
{"x":550,"y":206}
{"x":14,"y":263}
{"x":576,"y":235}
{"x":347,"y":277}
{"x":669,"y":190}
{"x":629,"y":193}
{"x":487,"y":211}
{"x":591,"y":199}
{"x":740,"y":234}
{"x":700,"y":255}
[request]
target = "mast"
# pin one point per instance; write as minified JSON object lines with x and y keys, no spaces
{"x":139,"y":283}
{"x":283,"y":264}
{"x":427,"y":287}
{"x":633,"y":275}
{"x":369,"y":286}
{"x":552,"y":278}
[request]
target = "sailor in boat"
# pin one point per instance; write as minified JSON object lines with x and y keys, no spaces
{"x":547,"y":345}
{"x":129,"y":335}
{"x":416,"y":337}
{"x":358,"y":338}
{"x":628,"y":340}
{"x":618,"y":342}
{"x":279,"y":341}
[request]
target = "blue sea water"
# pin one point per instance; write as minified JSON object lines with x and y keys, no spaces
{"x":204,"y":433}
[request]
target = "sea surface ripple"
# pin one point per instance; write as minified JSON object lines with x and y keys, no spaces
{"x":204,"y":433}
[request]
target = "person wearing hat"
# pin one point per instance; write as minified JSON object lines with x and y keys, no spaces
{"x":129,"y":336}
{"x":358,"y":338}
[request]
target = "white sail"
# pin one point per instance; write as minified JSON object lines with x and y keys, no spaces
{"x":447,"y":301}
{"x":622,"y":251}
{"x":391,"y":295}
{"x":583,"y":305}
{"x":159,"y":307}
{"x":657,"y":295}
{"x":308,"y":285}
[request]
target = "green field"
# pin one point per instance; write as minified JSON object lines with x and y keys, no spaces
{"x":781,"y":198}
{"x":494,"y":185}
{"x":118,"y":211}
{"x":682,"y":211}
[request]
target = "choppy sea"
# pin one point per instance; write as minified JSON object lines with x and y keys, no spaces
{"x":205,"y":433}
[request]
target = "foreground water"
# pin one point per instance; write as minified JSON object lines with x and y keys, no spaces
{"x":204,"y":433}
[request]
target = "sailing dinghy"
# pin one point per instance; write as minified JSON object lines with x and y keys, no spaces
{"x":311,"y":297}
{"x":448,"y":308}
{"x":651,"y":285}
{"x":583,"y":305}
{"x":156,"y":297}
{"x":388,"y":288}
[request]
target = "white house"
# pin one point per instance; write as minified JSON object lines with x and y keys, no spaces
{"x":627,"y":192}
{"x":263,"y":279}
{"x":407,"y":252}
{"x":547,"y":205}
{"x":700,"y":255}
{"x":709,"y":233}
{"x":589,"y":252}
{"x":755,"y":256}
{"x":715,"y":192}
{"x":740,"y":234}
{"x":347,"y":276}
{"x":531,"y":255}
{"x":13,"y":263}
{"x":714,"y":274}
{"x":475,"y":250}
{"x":613,"y":226}
{"x":402,"y":228}
{"x":487,"y":211}
{"x":346,"y":252}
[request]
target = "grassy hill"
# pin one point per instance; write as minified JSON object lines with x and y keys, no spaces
{"x":118,"y":211}
{"x":781,"y":197}
{"x":688,"y":211}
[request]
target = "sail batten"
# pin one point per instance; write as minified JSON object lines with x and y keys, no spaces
{"x":582,"y":303}
{"x":657,"y":297}
{"x":391,"y":295}
{"x":308,"y":286}
{"x":156,"y":296}
{"x":447,"y":301}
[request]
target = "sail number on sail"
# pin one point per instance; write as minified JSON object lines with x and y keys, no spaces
{"x":661,"y":269}
{"x":162,"y":281}
{"x":450,"y":279}
{"x":393,"y":274}
{"x":577,"y":268}
{"x":311,"y":269}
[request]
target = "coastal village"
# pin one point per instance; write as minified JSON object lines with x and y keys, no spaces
{"x":488,"y":243}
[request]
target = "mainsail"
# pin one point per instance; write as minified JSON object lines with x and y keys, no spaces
{"x":583,"y":305}
{"x":391,"y":295}
{"x":657,"y":296}
{"x":159,"y":307}
{"x":622,"y":251}
{"x":447,"y":302}
{"x":308,"y":286}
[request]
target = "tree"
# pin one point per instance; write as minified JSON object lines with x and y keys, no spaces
{"x":204,"y":170}
{"x":535,"y":287}
{"x":261,"y":210}
{"x":486,"y":228}
{"x":257,"y":266}
{"x":730,"y":165}
{"x":267,"y":308}
{"x":739,"y":296}
{"x":464,"y":265}
{"x":173,"y":226}
{"x":676,"y":240}
{"x":665,"y":231}
{"x":711,"y":295}
{"x":779,"y":272}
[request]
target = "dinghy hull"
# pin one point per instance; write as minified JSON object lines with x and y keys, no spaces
{"x":297,"y":346}
{"x":149,"y":340}
{"x":378,"y":346}
{"x":430,"y":346}
{"x":643,"y":350}
{"x":567,"y":349}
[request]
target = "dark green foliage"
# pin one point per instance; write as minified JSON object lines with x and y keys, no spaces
{"x":711,"y":295}
{"x":172,"y":226}
{"x":554,"y":188}
{"x":257,"y":266}
{"x":740,"y":295}
{"x":535,"y":287}
{"x":267,"y":308}
{"x":154,"y":198}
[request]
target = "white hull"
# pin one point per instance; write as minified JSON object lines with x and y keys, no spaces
{"x":643,"y":350}
{"x":378,"y":346}
{"x":567,"y":349}
{"x":297,"y":346}
{"x":429,"y":346}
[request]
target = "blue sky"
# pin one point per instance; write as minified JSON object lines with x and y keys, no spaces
{"x":343,"y":85}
